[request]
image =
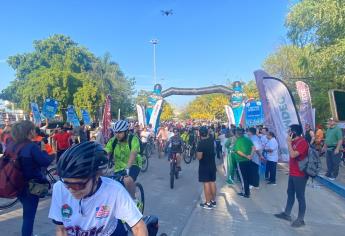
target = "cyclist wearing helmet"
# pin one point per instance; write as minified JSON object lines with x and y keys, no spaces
{"x":125,"y":155}
{"x":175,"y":146}
{"x":84,"y":203}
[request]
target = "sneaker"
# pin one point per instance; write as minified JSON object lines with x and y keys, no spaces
{"x":283,"y":216}
{"x":272,"y":183}
{"x":331,"y":178}
{"x":214,"y":203}
{"x":243,"y":195}
{"x":206,"y":205}
{"x":298,"y":223}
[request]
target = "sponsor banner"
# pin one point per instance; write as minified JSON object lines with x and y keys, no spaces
{"x":305,"y":107}
{"x":237,"y":102}
{"x":230,"y":115}
{"x":253,"y":113}
{"x":36,"y":115}
{"x":106,"y":121}
{"x":50,"y":107}
{"x":283,"y":111}
{"x":155,"y":113}
{"x":72,"y":116}
{"x":141,"y":115}
{"x":85,"y":116}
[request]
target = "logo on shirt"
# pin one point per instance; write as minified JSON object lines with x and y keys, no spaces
{"x":66,"y":211}
{"x":102,"y":212}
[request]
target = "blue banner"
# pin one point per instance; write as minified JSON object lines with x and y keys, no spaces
{"x":254,"y":113}
{"x":86,"y":116}
{"x":72,"y":116}
{"x":36,"y":114}
{"x":50,"y":107}
{"x":237,"y":102}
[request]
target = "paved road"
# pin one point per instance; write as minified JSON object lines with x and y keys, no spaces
{"x":173,"y":207}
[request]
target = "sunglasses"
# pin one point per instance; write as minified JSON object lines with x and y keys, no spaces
{"x":77,"y":186}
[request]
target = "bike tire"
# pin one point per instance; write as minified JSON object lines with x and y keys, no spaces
{"x":7,"y":203}
{"x":52,"y":176}
{"x":172,"y":175}
{"x":145,"y":164}
{"x":139,"y":189}
{"x":187,"y":158}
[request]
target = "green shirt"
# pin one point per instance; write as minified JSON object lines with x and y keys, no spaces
{"x":122,"y":152}
{"x":244,"y":145}
{"x":333,"y":135}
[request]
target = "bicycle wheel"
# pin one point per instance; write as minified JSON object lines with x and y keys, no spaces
{"x":172,"y":174}
{"x":7,"y":202}
{"x":140,"y":196}
{"x":145,"y":165}
{"x":52,"y":176}
{"x":187,"y":157}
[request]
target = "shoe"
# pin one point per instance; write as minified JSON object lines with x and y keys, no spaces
{"x":331,"y":179}
{"x":298,"y":223}
{"x":243,"y":195}
{"x":272,"y":183}
{"x":283,"y":216}
{"x":206,"y":205}
{"x":251,"y":187}
{"x":214,"y":203}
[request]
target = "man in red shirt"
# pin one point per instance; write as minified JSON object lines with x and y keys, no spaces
{"x":298,"y":150}
{"x":62,"y":139}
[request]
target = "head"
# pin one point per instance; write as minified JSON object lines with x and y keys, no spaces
{"x":203,"y":131}
{"x":264,"y":131}
{"x":319,"y":126}
{"x":332,"y":122}
{"x":295,"y":131}
{"x":120,"y":129}
{"x":23,"y":130}
{"x":80,"y":167}
{"x":307,"y":126}
{"x":176,"y":132}
{"x":239,"y":132}
{"x":270,"y":135}
{"x":251,"y":131}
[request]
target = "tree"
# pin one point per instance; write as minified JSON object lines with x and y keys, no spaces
{"x":167,"y":112}
{"x":251,"y":90}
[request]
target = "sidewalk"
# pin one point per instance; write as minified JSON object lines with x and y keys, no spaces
{"x":235,"y":215}
{"x":341,"y":176}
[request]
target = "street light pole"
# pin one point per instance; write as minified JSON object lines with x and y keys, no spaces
{"x":154,"y":43}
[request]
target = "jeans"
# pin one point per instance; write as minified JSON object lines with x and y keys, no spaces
{"x":271,"y":171}
{"x":30,"y":203}
{"x":333,"y":161}
{"x":296,"y":186}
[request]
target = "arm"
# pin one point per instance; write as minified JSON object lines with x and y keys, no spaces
{"x":132,"y":157}
{"x":339,"y":144}
{"x":41,"y":157}
{"x":134,"y":151}
{"x":244,"y":155}
{"x":312,"y":135}
{"x":60,"y":231}
{"x":199,"y":155}
{"x":292,"y":152}
{"x":140,"y":229}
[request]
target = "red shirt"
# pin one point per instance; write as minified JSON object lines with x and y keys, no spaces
{"x":62,"y":140}
{"x":301,"y":146}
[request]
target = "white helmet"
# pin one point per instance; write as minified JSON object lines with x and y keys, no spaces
{"x":120,"y":126}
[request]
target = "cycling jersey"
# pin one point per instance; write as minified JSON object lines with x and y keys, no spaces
{"x":175,"y":144}
{"x":122,"y":152}
{"x":101,"y":211}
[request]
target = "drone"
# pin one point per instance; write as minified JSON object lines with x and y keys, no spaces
{"x":167,"y":12}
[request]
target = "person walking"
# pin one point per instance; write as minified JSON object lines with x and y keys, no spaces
{"x":243,"y":153}
{"x":207,"y":167}
{"x":309,"y":134}
{"x":332,"y":147}
{"x":271,"y":150}
{"x":298,"y":150}
{"x":32,"y":159}
{"x":62,"y":141}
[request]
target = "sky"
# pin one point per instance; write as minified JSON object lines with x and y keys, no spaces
{"x":203,"y":43}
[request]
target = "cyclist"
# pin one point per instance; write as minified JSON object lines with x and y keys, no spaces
{"x":126,"y":156}
{"x":163,"y":135}
{"x":175,"y":146}
{"x":84,"y":203}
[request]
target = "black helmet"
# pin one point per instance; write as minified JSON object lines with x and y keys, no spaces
{"x":82,"y":160}
{"x":203,"y":131}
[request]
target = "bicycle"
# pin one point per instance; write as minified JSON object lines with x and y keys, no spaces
{"x":188,"y":154}
{"x":52,"y":177}
{"x":174,"y":172}
{"x":139,"y":190}
{"x":161,"y":147}
{"x":145,"y":163}
{"x":150,"y":146}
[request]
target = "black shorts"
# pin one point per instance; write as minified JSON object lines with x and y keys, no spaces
{"x":207,"y":175}
{"x":134,"y":172}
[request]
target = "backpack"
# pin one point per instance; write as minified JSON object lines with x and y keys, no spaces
{"x":129,"y":139}
{"x":311,"y":165}
{"x":12,"y":181}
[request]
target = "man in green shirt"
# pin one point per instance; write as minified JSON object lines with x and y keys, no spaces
{"x":243,"y":153}
{"x":332,"y":146}
{"x":126,"y":154}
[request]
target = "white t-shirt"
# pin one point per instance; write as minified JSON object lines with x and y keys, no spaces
{"x":258,"y":147}
{"x":101,"y":211}
{"x":144,"y":136}
{"x":264,"y":140}
{"x":273,"y":145}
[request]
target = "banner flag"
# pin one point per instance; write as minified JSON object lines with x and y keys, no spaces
{"x":50,"y":107}
{"x":155,"y":113}
{"x":253,"y":113}
{"x":305,"y":107}
{"x":85,"y":116}
{"x":36,"y":115}
{"x":72,"y":116}
{"x":141,"y":115}
{"x":237,"y":102}
{"x":282,"y":109}
{"x":106,"y":121}
{"x":230,"y":115}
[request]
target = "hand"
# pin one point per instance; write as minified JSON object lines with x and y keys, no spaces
{"x":336,"y":151}
{"x":127,"y":171}
{"x":289,"y":139}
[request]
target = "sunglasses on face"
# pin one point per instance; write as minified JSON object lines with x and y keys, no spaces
{"x":77,"y":186}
